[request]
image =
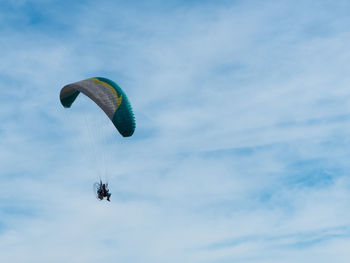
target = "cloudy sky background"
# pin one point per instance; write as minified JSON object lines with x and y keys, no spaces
{"x":241,"y":151}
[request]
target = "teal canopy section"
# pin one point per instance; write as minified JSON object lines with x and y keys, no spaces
{"x":123,"y":118}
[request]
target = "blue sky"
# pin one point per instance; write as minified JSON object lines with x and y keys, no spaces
{"x":242,"y":141}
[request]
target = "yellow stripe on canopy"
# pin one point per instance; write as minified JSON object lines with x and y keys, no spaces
{"x":118,"y":99}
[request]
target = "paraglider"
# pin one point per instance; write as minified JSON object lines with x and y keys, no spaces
{"x":112,"y":100}
{"x":102,"y":191}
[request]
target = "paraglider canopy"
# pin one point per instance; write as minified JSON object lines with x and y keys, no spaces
{"x":108,"y":96}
